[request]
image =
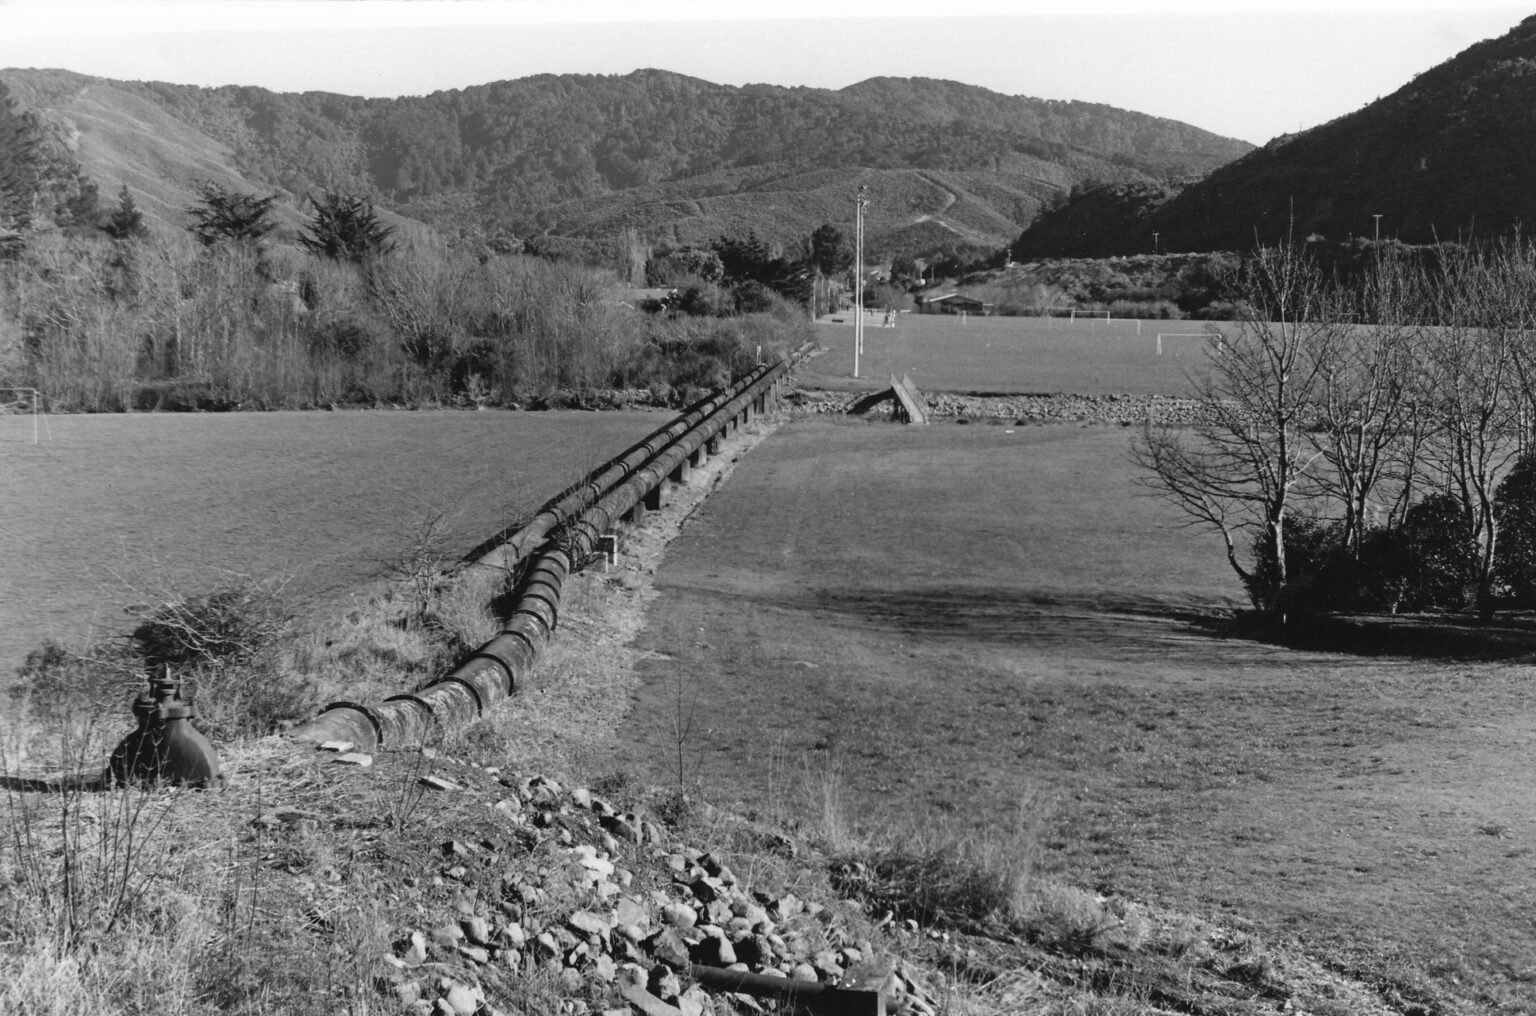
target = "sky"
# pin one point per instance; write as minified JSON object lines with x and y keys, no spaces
{"x":1250,"y":69}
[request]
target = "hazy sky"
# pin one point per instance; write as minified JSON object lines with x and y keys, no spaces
{"x":1246,"y":68}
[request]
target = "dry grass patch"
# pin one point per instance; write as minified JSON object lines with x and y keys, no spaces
{"x":941,"y":878}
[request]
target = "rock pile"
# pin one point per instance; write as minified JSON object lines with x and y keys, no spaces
{"x":1121,"y":410}
{"x":603,"y":904}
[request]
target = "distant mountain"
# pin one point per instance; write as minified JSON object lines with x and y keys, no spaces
{"x":1452,"y":152}
{"x":674,"y":157}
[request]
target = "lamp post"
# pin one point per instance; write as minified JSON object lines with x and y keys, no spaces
{"x":1155,"y":235}
{"x":858,"y":275}
{"x":1377,"y":217}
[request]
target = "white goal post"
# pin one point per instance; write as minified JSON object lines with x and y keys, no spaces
{"x":1179,"y":335}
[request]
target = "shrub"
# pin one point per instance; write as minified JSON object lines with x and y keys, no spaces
{"x":752,"y":297}
{"x":1442,"y":555}
{"x":1160,"y":310}
{"x":1310,"y":547}
{"x":226,"y":644}
{"x":1426,"y":565}
{"x":1515,"y":512}
{"x":957,"y":883}
{"x":251,"y":700}
{"x":1218,"y":310}
{"x":56,"y":682}
{"x":1384,"y":570}
{"x":233,"y":624}
{"x":701,"y":299}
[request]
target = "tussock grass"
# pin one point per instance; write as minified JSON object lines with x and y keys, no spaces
{"x":943,"y":876}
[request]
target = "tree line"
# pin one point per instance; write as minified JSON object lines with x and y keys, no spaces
{"x":218,"y":316}
{"x":1366,"y":442}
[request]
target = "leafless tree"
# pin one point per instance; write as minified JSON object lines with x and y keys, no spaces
{"x":1368,"y":417}
{"x":1238,"y":470}
{"x":1471,"y":363}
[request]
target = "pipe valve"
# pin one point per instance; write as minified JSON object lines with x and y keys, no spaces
{"x":166,"y":747}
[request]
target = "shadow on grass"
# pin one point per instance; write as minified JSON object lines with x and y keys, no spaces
{"x":1410,"y":636}
{"x":59,"y":785}
{"x":1012,"y":617}
{"x":1115,"y":622}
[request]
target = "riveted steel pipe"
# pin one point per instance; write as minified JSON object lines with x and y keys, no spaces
{"x":505,"y":664}
{"x":403,"y":719}
{"x":600,"y":517}
{"x":510,"y":547}
{"x":486,"y":676}
{"x":452,"y":702}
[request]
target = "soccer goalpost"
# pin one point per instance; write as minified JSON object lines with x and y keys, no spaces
{"x":20,"y":402}
{"x":1182,"y":335}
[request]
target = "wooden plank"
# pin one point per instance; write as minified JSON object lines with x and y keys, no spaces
{"x":647,"y":1003}
{"x":910,"y":398}
{"x":810,"y":997}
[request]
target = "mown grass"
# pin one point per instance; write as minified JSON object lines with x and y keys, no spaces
{"x":109,"y":511}
{"x":1088,"y":356}
{"x":964,"y":616}
{"x":293,"y":913}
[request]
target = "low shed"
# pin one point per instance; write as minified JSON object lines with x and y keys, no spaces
{"x":954,"y":303}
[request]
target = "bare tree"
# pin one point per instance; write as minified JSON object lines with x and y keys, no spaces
{"x":1367,"y":417}
{"x":1239,"y":469}
{"x":1471,"y":363}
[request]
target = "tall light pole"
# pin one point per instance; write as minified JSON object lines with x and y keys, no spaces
{"x":1377,"y":217}
{"x":858,"y":276}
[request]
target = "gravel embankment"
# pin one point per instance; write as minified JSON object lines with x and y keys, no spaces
{"x":1122,"y":410}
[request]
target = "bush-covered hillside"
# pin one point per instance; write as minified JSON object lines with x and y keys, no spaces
{"x":1451,"y":153}
{"x":676,"y":157}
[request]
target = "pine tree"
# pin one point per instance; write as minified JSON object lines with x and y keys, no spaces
{"x":346,"y":228}
{"x":20,"y":158}
{"x":126,"y":222}
{"x":226,"y":215}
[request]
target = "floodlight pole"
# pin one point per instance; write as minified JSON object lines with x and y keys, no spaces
{"x":858,"y":276}
{"x":1377,"y":217}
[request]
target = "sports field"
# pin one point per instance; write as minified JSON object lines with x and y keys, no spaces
{"x":105,"y":510}
{"x":942,"y":352}
{"x":956,"y":627}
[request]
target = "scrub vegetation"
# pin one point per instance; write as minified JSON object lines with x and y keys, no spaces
{"x":113,"y":326}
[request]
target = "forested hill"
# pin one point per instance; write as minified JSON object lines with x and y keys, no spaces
{"x":588,"y":155}
{"x":1451,"y":153}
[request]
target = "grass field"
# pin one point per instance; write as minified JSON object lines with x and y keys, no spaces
{"x":106,"y":508}
{"x":946,"y":627}
{"x":962,"y":623}
{"x":1011,"y":354}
